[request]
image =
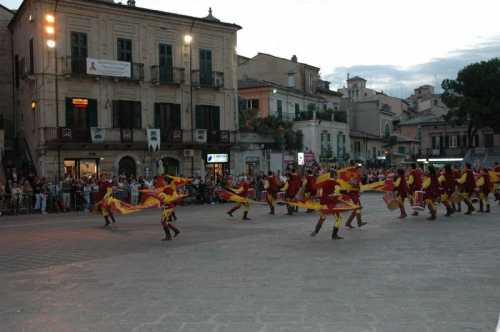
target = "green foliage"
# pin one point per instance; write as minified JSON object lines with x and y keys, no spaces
{"x":282,"y":132}
{"x":246,"y":117}
{"x":340,"y":116}
{"x":474,"y":97}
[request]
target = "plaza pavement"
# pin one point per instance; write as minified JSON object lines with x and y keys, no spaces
{"x":65,"y":273}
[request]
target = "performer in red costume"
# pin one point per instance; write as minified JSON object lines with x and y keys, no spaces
{"x":484,"y":184}
{"x":401,"y":190}
{"x":271,"y":184}
{"x":354,"y":194}
{"x":432,"y":192}
{"x":243,"y":191}
{"x":292,"y":188}
{"x":327,"y":197}
{"x":415,"y":179}
{"x":468,"y":186}
{"x":448,"y":186}
{"x":309,"y":186}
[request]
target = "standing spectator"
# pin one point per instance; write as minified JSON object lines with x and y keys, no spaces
{"x":87,"y":191}
{"x":134,"y":192}
{"x":40,"y":191}
{"x":16,"y":193}
{"x":67,"y":188}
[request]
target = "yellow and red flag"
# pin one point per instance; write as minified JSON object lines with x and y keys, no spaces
{"x":494,"y":177}
{"x":379,"y":186}
{"x":347,"y":176}
{"x":179,"y":181}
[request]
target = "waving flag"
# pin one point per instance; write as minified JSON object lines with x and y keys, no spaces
{"x":379,"y":186}
{"x":346,"y":176}
{"x":178,"y":181}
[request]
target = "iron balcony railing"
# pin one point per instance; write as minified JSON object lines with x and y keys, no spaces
{"x":213,"y":79}
{"x":165,"y":75}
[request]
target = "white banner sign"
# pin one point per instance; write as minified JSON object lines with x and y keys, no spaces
{"x":301,"y":159}
{"x":97,"y":134}
{"x":217,"y":158}
{"x":154,"y":140}
{"x":108,"y":68}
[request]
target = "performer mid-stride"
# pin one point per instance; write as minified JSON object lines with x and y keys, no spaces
{"x":414,"y":184}
{"x":242,"y":191}
{"x":168,"y":208}
{"x":484,"y":185}
{"x":431,"y":189}
{"x":448,"y":185}
{"x":105,"y":207}
{"x":354,"y":193}
{"x":272,"y":187}
{"x":468,"y":186}
{"x":401,"y":189}
{"x":327,"y":193}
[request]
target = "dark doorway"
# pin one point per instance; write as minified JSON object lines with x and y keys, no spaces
{"x":127,"y":167}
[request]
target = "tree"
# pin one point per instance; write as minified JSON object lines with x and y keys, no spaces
{"x":473,"y":98}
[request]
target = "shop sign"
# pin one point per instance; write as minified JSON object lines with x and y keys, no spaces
{"x":217,"y":158}
{"x":82,"y":103}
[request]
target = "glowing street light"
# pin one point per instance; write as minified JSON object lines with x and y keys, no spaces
{"x":50,"y":30}
{"x":51,"y":43}
{"x":50,"y":18}
{"x":188,"y":39}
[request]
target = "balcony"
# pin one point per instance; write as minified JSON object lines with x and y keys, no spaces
{"x":124,"y":138}
{"x":137,"y":72}
{"x":322,"y":85}
{"x":304,"y":116}
{"x":210,"y":80}
{"x":167,"y":76}
{"x":74,"y":66}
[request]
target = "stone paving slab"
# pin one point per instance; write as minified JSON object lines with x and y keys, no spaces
{"x":65,"y":273}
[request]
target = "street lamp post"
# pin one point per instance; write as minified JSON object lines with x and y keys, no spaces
{"x":188,"y":40}
{"x":51,"y":44}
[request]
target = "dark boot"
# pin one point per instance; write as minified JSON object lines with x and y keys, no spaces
{"x":488,"y":208}
{"x":481,"y":206}
{"x":230,"y":212}
{"x":403,"y":213}
{"x":289,"y":210}
{"x":106,"y":219}
{"x":360,"y":222}
{"x":317,"y":228}
{"x":470,"y":209}
{"x":449,"y":211}
{"x":245,"y":216}
{"x":175,"y":229}
{"x":174,"y":216}
{"x":335,"y":235}
{"x":433,"y":214}
{"x":112,"y":218}
{"x":168,"y":236}
{"x":415,"y":213}
{"x":272,"y":211}
{"x":348,"y":223}
{"x":459,"y":207}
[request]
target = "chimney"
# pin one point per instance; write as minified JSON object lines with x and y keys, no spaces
{"x":294,"y":58}
{"x":131,"y":3}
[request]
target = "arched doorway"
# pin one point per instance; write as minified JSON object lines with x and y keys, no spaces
{"x":127,"y":167}
{"x":171,"y":166}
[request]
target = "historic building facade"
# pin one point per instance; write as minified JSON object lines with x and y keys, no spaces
{"x":93,"y":76}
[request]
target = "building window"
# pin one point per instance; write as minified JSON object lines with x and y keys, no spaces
{"x":436,"y":142}
{"x":32,"y":57}
{"x":357,"y":147}
{"x":166,"y":63}
{"x":279,"y":108}
{"x":402,"y":150}
{"x":340,"y":145}
{"x":387,"y":130}
{"x":326,"y":147}
{"x":79,"y":52}
{"x":488,"y":140}
{"x":206,"y":67}
{"x":453,"y":141}
{"x":124,"y":52}
{"x":297,"y":111}
{"x":127,"y":114}
{"x":167,"y":116}
{"x":81,"y":112}
{"x":252,"y":104}
{"x":374,"y":153}
{"x":207,"y":117}
{"x":291,"y":81}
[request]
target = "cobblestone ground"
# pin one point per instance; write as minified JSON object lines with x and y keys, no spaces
{"x":66,"y":273}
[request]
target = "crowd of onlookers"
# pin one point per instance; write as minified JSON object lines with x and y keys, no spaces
{"x":32,"y":194}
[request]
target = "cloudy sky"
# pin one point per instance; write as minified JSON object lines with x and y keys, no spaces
{"x":395,"y":44}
